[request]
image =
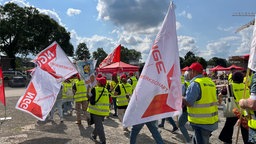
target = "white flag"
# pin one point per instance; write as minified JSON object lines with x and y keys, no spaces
{"x":158,"y":91}
{"x":252,"y":58}
{"x":54,"y":60}
{"x":40,"y":94}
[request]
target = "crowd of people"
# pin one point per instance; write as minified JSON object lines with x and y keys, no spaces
{"x":199,"y":105}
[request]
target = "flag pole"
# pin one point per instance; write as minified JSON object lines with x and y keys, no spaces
{"x":241,"y":110}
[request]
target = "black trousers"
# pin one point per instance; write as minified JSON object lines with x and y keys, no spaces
{"x":228,"y":129}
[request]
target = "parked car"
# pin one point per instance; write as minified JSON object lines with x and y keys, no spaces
{"x":9,"y":74}
{"x":17,"y":81}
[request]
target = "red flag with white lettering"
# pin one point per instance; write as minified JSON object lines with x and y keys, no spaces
{"x":112,"y":57}
{"x":40,"y":94}
{"x":158,"y":92}
{"x":2,"y":91}
{"x":54,"y":60}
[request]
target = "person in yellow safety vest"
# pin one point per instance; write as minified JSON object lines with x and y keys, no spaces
{"x":99,"y":108}
{"x":113,"y":84}
{"x":123,"y":92}
{"x":132,"y":79}
{"x":250,"y":105}
{"x":232,"y":70}
{"x":236,"y":90}
{"x":248,"y":82}
{"x":81,"y":100}
{"x":67,"y":96}
{"x":183,"y":118}
{"x":201,"y":102}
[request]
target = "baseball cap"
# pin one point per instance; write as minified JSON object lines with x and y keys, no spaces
{"x":131,"y":74}
{"x":102,"y":80}
{"x":114,"y":74}
{"x":99,"y":75}
{"x":196,"y":66}
{"x":123,"y":76}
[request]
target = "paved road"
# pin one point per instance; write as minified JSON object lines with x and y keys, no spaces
{"x":14,"y":92}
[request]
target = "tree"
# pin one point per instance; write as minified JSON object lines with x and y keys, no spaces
{"x":99,"y":55}
{"x":189,"y":58}
{"x":82,"y":52}
{"x":217,"y":61}
{"x":25,"y":31}
{"x":129,"y":55}
{"x":202,"y":61}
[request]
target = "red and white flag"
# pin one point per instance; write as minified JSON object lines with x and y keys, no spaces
{"x":252,"y":58}
{"x":112,"y":57}
{"x":2,"y":92}
{"x":158,"y":92}
{"x":54,"y":60}
{"x":40,"y":94}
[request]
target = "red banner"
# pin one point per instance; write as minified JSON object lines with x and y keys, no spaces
{"x":112,"y":58}
{"x":2,"y":92}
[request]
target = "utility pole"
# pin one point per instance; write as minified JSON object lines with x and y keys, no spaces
{"x":250,"y":14}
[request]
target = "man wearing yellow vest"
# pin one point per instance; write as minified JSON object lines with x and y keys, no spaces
{"x":99,"y":108}
{"x":113,"y":84}
{"x":250,"y":105}
{"x":81,"y":100}
{"x":123,"y":92}
{"x":201,"y":102}
{"x":67,"y":96}
{"x":132,"y":79}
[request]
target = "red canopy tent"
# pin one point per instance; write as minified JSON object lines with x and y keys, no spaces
{"x":118,"y":67}
{"x":218,"y":68}
{"x":235,"y":67}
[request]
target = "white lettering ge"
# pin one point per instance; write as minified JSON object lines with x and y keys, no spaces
{"x":158,"y":59}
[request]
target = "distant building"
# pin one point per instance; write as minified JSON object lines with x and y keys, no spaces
{"x":241,"y":61}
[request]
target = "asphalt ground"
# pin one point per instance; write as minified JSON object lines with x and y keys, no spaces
{"x":23,"y":128}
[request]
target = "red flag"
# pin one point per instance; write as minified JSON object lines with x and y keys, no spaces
{"x":112,"y":57}
{"x":2,"y":92}
{"x":158,"y":92}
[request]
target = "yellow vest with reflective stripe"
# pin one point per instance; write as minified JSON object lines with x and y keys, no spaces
{"x":134,"y":82}
{"x":182,"y":78}
{"x":238,"y":91}
{"x":252,"y":121}
{"x":205,"y":110}
{"x":113,"y":84}
{"x":121,"y":99}
{"x":80,"y":94}
{"x":102,"y":106}
{"x":67,"y":87}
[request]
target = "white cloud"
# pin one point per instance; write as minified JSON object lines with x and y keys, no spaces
{"x":72,"y":12}
{"x":186,"y":14}
{"x":186,"y":44}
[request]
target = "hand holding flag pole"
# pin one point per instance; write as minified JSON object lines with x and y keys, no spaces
{"x":252,"y":66}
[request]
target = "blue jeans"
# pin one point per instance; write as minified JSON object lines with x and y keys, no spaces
{"x":67,"y":106}
{"x":58,"y":105}
{"x":171,"y":121}
{"x":152,"y":126}
{"x":183,"y":119}
{"x":252,"y":135}
{"x":201,"y":136}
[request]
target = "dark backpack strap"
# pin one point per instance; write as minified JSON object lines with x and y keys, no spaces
{"x":100,"y":95}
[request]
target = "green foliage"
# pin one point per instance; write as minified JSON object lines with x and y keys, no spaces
{"x":217,"y":61}
{"x":129,"y":55}
{"x":99,"y":55}
{"x":82,"y":52}
{"x":25,"y":31}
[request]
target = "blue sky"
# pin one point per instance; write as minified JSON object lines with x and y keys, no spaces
{"x":205,"y":27}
